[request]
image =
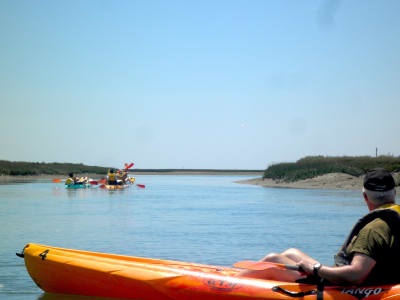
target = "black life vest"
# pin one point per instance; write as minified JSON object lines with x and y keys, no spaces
{"x":389,"y":215}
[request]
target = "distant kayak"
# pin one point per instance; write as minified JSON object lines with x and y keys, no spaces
{"x":65,"y":271}
{"x":77,"y":186}
{"x":115,"y":186}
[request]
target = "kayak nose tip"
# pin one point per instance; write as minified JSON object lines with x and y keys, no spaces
{"x":22,"y":255}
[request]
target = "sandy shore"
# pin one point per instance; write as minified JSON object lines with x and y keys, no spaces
{"x":332,"y":181}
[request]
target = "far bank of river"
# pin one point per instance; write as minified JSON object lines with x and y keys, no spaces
{"x":30,"y":178}
{"x":331,"y":181}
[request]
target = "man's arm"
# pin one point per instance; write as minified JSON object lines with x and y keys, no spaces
{"x":355,"y":273}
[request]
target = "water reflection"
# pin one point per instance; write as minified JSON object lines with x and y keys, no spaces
{"x":60,"y":192}
{"x":77,"y":193}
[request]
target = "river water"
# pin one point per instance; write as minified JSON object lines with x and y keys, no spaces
{"x":203,"y":219}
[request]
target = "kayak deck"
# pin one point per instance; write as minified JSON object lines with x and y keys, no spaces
{"x":67,"y":271}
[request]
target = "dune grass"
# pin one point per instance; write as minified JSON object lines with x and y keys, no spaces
{"x":312,"y":166}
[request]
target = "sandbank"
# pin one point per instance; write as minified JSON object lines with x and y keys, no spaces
{"x":331,"y":181}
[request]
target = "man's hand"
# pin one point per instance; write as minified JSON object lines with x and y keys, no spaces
{"x":307,"y":267}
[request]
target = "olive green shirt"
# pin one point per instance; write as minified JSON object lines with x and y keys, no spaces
{"x":377,"y":241}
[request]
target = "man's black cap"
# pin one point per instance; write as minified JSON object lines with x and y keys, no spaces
{"x":379,"y":180}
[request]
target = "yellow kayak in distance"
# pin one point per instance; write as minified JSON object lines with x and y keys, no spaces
{"x":130,"y":180}
{"x":115,"y":186}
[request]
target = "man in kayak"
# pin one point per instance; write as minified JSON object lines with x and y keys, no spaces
{"x":121,"y":176}
{"x":370,"y":253}
{"x":71,"y":179}
{"x":111,"y":177}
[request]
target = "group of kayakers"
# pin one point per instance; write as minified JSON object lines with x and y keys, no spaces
{"x":117,"y":177}
{"x":114,"y":177}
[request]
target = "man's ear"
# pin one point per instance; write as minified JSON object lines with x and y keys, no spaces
{"x":367,"y":200}
{"x":365,"y":196}
{"x":371,"y":205}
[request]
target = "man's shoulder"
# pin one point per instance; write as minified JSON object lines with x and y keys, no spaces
{"x":378,"y":222}
{"x":377,"y":225}
{"x":385,"y":220}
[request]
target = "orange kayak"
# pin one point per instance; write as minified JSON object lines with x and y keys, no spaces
{"x":65,"y":271}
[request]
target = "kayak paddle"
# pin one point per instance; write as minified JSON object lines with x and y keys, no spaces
{"x":56,"y":180}
{"x":128,"y":166}
{"x":263,"y":265}
{"x":141,"y":186}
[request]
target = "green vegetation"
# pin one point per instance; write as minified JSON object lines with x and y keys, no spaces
{"x":313,"y":166}
{"x":32,"y":168}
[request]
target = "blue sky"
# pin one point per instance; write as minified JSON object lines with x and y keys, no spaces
{"x":198,"y":84}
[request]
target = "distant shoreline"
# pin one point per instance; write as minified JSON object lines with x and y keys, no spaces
{"x":4,"y":179}
{"x":331,"y":181}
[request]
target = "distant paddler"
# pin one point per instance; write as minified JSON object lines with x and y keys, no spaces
{"x":71,"y":180}
{"x":83,"y":180}
{"x":111,"y":177}
{"x":122,"y":176}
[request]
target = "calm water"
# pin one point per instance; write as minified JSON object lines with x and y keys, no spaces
{"x":204,"y":219}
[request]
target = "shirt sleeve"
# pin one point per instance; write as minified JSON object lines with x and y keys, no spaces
{"x":371,"y":240}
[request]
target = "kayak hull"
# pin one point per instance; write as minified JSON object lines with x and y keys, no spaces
{"x":77,"y":186}
{"x":65,"y":271}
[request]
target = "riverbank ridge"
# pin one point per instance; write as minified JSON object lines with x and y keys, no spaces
{"x":330,"y":181}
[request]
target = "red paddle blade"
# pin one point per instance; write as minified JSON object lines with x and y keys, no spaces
{"x":129,"y":166}
{"x":103,"y":186}
{"x":141,"y":186}
{"x":56,"y":180}
{"x":93,"y":182}
{"x":102,"y":181}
